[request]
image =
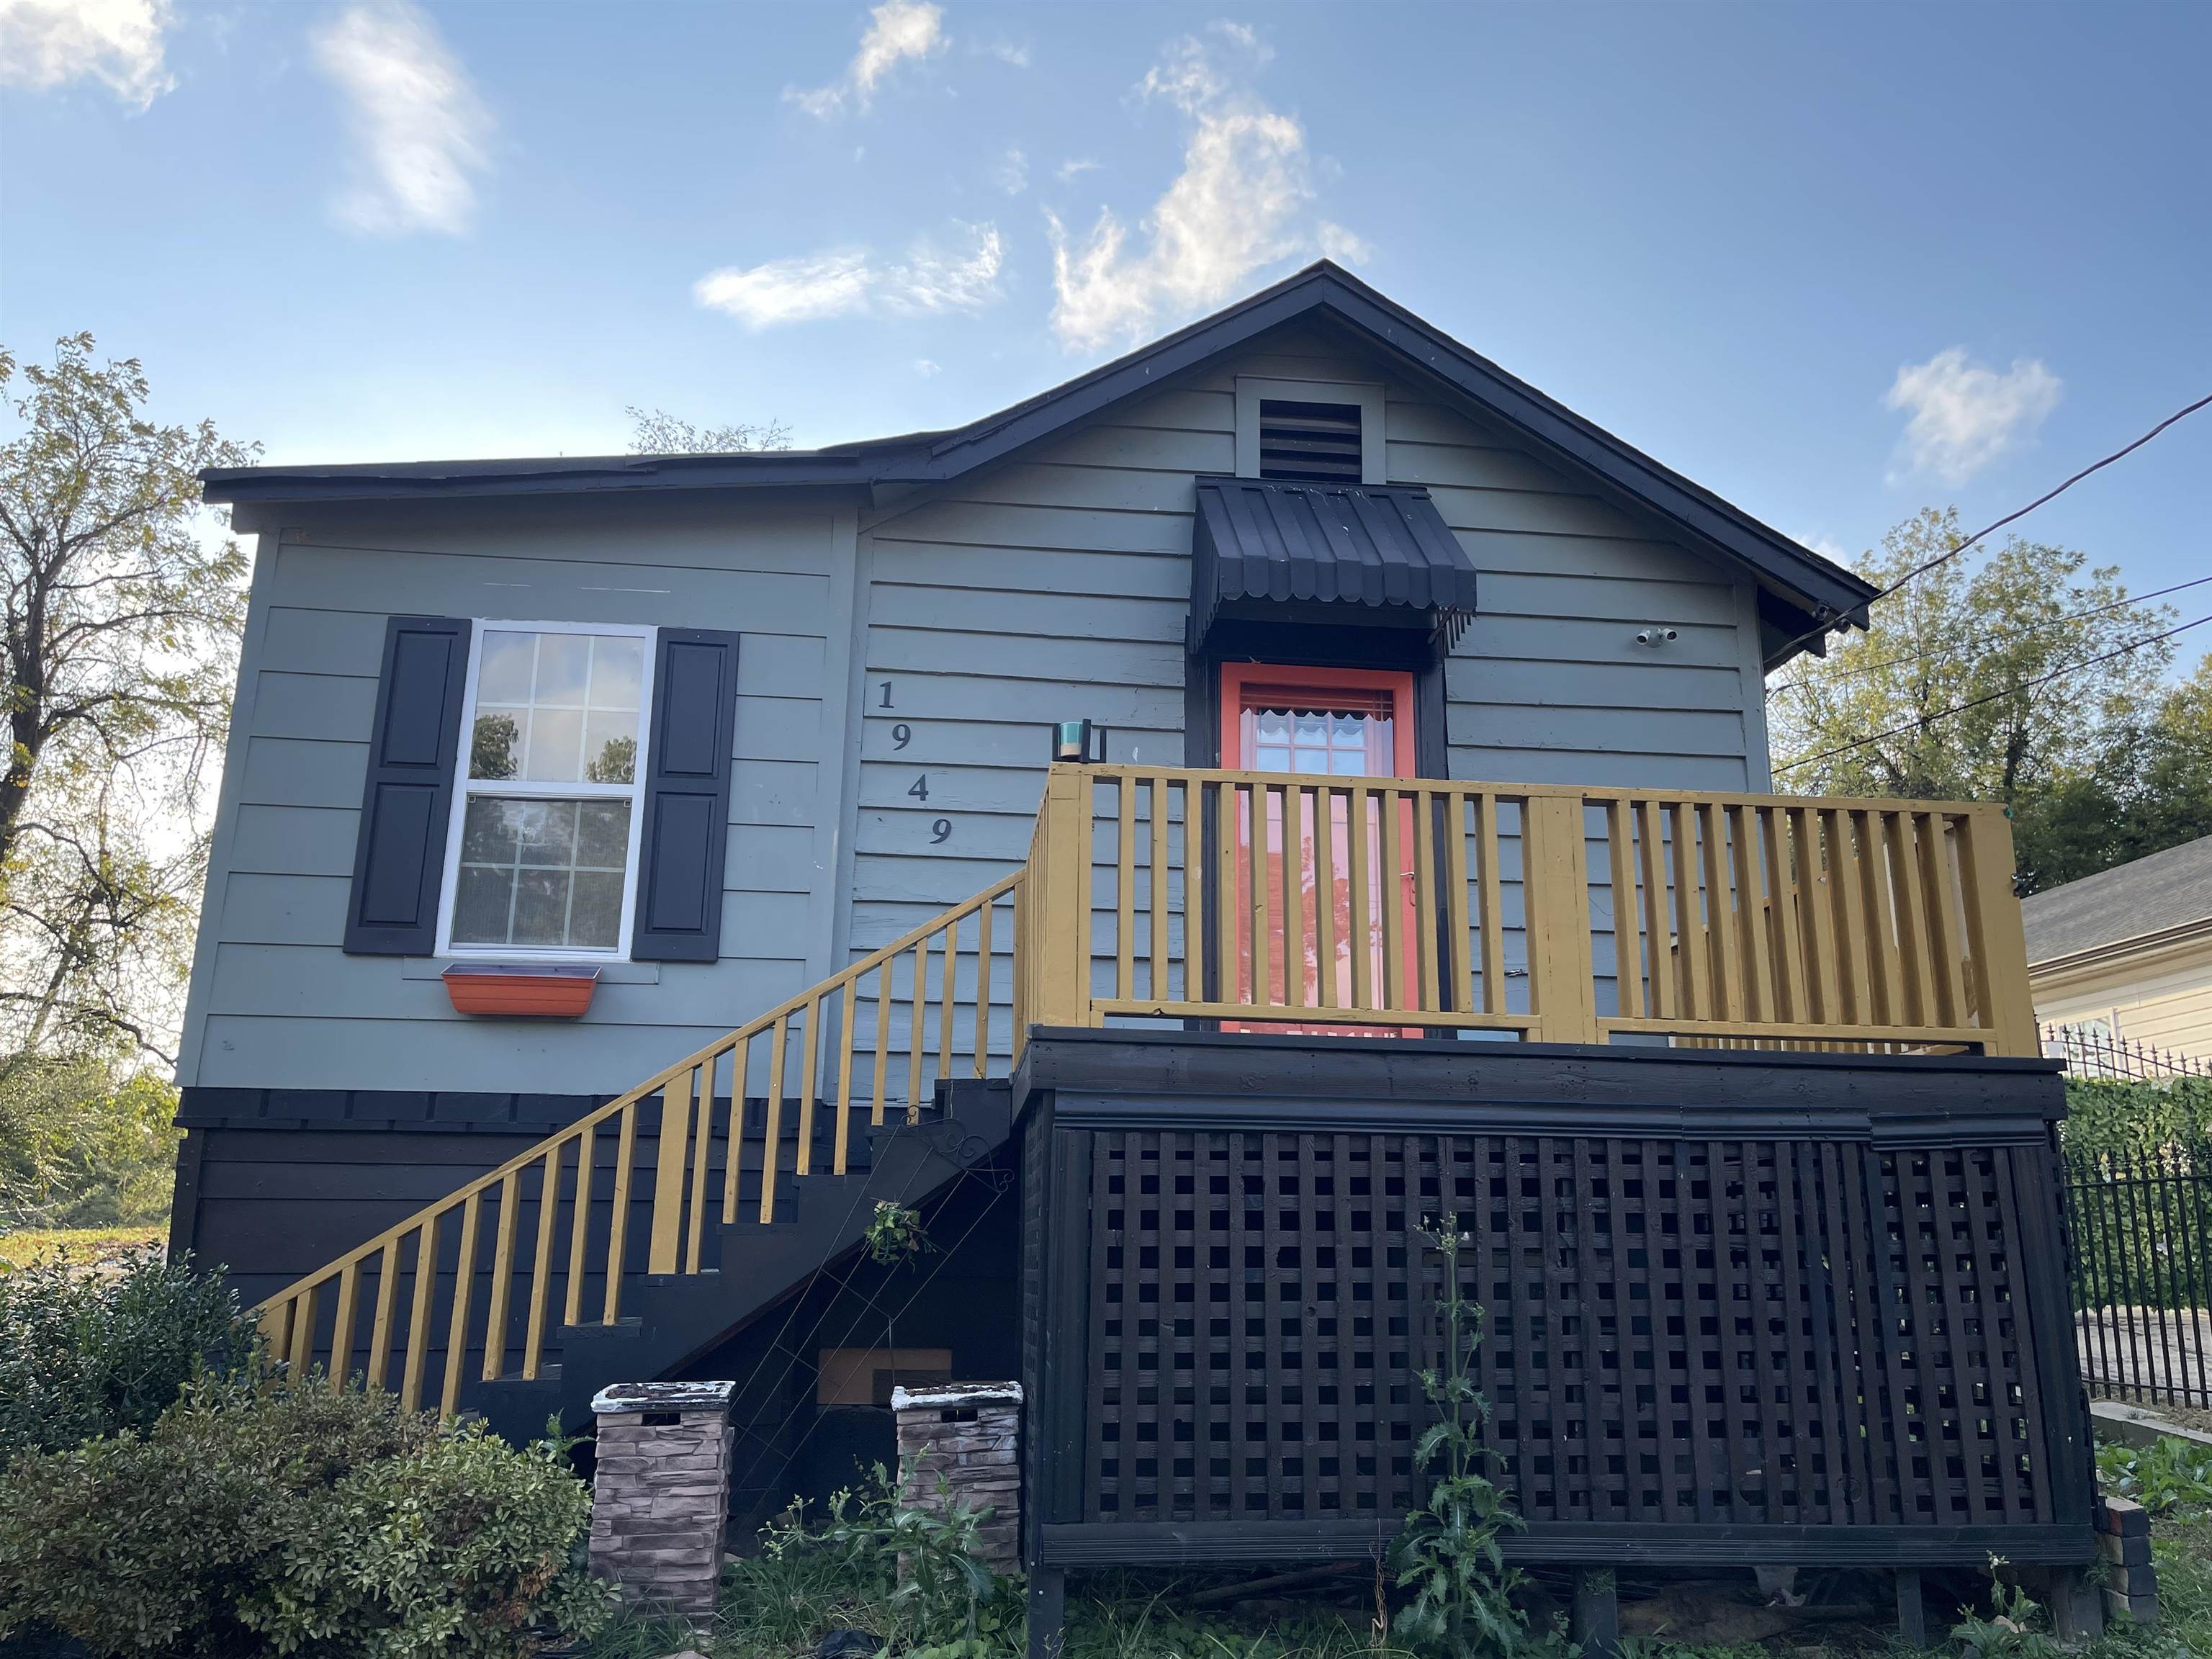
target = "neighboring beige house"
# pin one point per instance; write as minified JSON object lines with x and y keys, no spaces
{"x":2128,"y":951}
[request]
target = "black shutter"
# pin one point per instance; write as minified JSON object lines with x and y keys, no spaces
{"x":406,"y":806}
{"x":687,"y":797}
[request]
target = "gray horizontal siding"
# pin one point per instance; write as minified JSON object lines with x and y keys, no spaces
{"x":312,"y":981}
{"x":275,"y":1003}
{"x":450,"y":1052}
{"x":1054,"y":586}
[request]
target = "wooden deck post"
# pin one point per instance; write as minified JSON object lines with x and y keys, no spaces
{"x":1048,"y":1612}
{"x":1060,"y":959}
{"x":1594,"y":1625}
{"x":1995,"y":928}
{"x":675,"y":1146}
{"x":1911,"y":1610}
{"x":1557,"y":889}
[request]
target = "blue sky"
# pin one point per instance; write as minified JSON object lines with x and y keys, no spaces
{"x":1836,"y":263}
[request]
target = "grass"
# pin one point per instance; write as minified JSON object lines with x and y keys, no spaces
{"x":781,"y":1611}
{"x":811,"y":1584}
{"x":94,"y":1246}
{"x":2182,"y":1546}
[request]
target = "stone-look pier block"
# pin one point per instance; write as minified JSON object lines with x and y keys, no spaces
{"x":2131,"y":1582}
{"x":661,"y":1495}
{"x":968,"y":1436}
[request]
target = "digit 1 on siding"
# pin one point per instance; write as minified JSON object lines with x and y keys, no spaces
{"x":887,"y":695}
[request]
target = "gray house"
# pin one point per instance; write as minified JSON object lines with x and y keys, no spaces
{"x":1297,"y":755}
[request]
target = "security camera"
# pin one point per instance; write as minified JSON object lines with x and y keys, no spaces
{"x":1656,"y":637}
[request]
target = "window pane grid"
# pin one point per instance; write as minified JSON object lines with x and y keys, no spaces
{"x":543,"y":841}
{"x":557,"y":708}
{"x":525,"y":863}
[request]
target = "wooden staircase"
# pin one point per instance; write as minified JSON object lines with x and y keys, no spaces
{"x":640,"y":1235}
{"x":747,"y":1267}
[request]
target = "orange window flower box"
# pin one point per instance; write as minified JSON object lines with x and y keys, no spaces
{"x":528,"y":990}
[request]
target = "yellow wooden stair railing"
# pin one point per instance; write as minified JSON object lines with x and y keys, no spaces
{"x":815,"y":1041}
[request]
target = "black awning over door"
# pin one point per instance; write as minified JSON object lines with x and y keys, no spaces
{"x":1264,"y":543}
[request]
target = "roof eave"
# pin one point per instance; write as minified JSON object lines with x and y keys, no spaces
{"x":1827,"y":595}
{"x":2113,"y":951}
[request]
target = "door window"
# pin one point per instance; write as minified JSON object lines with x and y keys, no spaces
{"x":1318,"y":722}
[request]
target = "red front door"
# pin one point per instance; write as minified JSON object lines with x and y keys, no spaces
{"x":1318,"y":722}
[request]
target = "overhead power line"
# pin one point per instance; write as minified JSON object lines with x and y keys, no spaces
{"x":1859,"y":670}
{"x":1992,"y":696}
{"x":1922,"y":568}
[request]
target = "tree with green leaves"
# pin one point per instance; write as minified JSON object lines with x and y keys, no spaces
{"x":2023,"y":676}
{"x":123,"y":603}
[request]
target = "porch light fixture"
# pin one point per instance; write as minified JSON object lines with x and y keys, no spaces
{"x":1077,"y":742}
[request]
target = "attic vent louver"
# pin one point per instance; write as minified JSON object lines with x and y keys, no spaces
{"x":1316,"y":443}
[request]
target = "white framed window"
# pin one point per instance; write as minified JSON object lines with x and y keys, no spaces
{"x":1319,"y":431}
{"x":542,"y":854}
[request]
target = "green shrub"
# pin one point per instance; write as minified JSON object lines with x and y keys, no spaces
{"x":262,"y":1518}
{"x":2171,"y":1474}
{"x":2135,"y":1119}
{"x":84,"y":1353}
{"x":914,"y":1578}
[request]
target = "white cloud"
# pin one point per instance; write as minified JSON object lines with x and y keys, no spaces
{"x":897,"y":30}
{"x":1012,"y":174}
{"x":419,"y":130}
{"x":46,"y":44}
{"x":930,"y":280}
{"x":1233,"y":208}
{"x":1346,"y":248}
{"x":1067,"y":170}
{"x":1966,"y":414}
{"x":1016,"y":53}
{"x":927,"y":369}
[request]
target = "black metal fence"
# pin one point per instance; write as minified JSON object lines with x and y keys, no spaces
{"x":2093,"y":1055}
{"x":2142,"y":1223}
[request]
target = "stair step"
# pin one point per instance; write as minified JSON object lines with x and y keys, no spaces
{"x":548,"y":1375}
{"x":817,"y":1217}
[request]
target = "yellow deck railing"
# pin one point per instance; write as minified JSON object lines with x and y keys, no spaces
{"x":1553,"y":914}
{"x":1256,"y":901}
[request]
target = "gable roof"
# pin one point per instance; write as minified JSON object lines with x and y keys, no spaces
{"x":1803,"y":591}
{"x":2153,"y":894}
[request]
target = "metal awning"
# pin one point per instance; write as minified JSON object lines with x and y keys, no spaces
{"x":1261,"y":543}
